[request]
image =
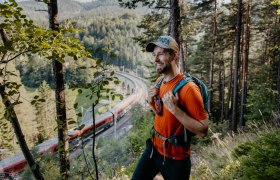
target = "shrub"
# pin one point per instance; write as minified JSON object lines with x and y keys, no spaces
{"x":260,"y":159}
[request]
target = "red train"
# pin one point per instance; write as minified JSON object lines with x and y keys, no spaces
{"x":16,"y":164}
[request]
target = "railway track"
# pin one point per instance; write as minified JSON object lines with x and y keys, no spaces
{"x":11,"y":167}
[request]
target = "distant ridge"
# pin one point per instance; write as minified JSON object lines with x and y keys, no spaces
{"x":76,"y":9}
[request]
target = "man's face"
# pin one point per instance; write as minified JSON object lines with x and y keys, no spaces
{"x":162,"y":60}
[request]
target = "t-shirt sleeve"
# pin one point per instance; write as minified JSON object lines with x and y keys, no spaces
{"x":192,"y":101}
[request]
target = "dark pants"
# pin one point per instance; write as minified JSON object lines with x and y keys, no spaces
{"x":147,"y":168}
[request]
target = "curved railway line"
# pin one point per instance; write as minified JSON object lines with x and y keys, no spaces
{"x":12,"y":166}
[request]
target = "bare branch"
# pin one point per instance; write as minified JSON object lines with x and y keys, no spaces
{"x":6,"y":61}
{"x":41,"y":10}
{"x":161,"y":7}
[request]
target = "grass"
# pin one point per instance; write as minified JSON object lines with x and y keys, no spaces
{"x":216,"y":159}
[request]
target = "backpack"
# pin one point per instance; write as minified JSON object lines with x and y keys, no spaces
{"x":185,"y":139}
{"x":189,"y":78}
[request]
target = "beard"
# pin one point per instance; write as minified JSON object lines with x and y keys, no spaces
{"x":163,"y":68}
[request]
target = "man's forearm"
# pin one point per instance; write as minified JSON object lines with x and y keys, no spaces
{"x":197,"y":127}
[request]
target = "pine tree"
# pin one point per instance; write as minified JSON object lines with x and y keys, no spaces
{"x":45,"y":115}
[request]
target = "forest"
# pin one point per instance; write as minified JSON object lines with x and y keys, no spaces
{"x":51,"y":50}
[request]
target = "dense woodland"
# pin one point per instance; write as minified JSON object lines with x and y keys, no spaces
{"x":232,"y":46}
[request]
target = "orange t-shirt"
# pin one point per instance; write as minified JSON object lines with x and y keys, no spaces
{"x":167,"y":125}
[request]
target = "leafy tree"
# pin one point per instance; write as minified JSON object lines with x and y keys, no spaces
{"x":21,"y":37}
{"x":37,"y":64}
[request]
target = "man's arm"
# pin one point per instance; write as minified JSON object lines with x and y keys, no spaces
{"x":199,"y":127}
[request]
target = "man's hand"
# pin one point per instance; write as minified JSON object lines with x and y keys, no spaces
{"x":170,"y":101}
{"x":152,"y":92}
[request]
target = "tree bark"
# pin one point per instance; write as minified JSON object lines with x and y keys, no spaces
{"x":182,"y":57}
{"x":236,"y":67}
{"x":245,"y":59}
{"x":63,"y":144}
{"x":174,"y":29}
{"x":222,"y":89}
{"x":229,"y":97}
{"x":278,"y":80}
{"x":278,"y":88}
{"x":212,"y":60}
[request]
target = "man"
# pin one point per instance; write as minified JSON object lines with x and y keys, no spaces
{"x":173,"y":114}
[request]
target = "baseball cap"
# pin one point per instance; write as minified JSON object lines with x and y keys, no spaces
{"x":166,"y":42}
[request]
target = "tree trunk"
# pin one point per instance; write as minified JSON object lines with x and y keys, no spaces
{"x":278,"y":79}
{"x":245,"y":59}
{"x":182,"y":57}
{"x":222,"y":89}
{"x":212,"y":60}
{"x":236,"y":66}
{"x":278,"y":88}
{"x":174,"y":28}
{"x":229,"y":97}
{"x":63,"y":144}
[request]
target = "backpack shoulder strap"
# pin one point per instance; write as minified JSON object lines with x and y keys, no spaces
{"x":181,"y":83}
{"x":159,"y":82}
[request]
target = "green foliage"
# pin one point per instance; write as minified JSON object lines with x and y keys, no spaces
{"x":116,"y":34}
{"x":142,"y":124}
{"x":47,"y":162}
{"x":230,"y":156}
{"x":262,"y":97}
{"x":262,"y":159}
{"x":121,"y":155}
{"x":41,"y":66}
{"x":21,"y":37}
{"x":242,"y":149}
{"x":276,"y":2}
{"x":231,"y":171}
{"x":151,"y":31}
